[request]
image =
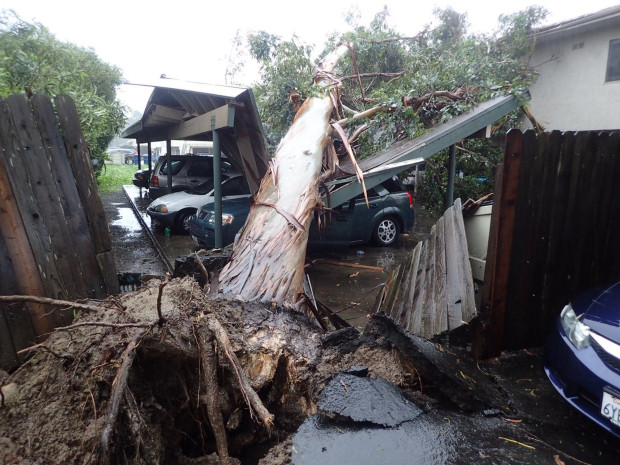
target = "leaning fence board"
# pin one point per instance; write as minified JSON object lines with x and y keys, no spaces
{"x":465,"y":279}
{"x":77,"y":150}
{"x":70,"y":203}
{"x":432,"y":290}
{"x":47,"y":199}
{"x":453,"y":278}
{"x":47,"y":246}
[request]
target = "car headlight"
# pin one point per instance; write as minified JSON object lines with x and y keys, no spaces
{"x":161,"y":208}
{"x":578,"y":333}
{"x":226,"y":218}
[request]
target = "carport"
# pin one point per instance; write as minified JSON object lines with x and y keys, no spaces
{"x":225,"y":115}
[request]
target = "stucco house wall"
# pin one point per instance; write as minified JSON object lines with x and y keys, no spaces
{"x":571,"y":93}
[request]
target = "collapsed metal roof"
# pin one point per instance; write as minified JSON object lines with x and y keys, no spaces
{"x":404,"y":154}
{"x":179,"y":110}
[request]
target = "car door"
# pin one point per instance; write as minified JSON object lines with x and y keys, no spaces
{"x":364,"y":216}
{"x":335,"y":227}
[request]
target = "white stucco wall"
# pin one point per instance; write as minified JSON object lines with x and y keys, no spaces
{"x":571,"y":93}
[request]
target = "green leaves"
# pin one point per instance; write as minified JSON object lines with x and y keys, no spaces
{"x":31,"y":57}
{"x":442,"y":57}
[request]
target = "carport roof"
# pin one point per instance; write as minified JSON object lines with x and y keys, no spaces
{"x":179,"y":110}
{"x":407,"y":153}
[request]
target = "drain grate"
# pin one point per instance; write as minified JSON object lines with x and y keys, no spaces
{"x":129,"y":281}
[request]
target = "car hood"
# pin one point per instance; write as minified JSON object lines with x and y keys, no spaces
{"x":601,"y":310}
{"x":231,"y":206}
{"x":179,"y":200}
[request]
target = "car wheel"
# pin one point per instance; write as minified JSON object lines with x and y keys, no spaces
{"x":386,"y":231}
{"x":182,"y":222}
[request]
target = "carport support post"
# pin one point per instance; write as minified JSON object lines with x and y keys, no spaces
{"x":169,"y":164}
{"x":451,"y":175}
{"x":217,"y":185}
{"x":150,"y":152}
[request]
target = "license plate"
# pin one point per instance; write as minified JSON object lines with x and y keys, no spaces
{"x":610,"y":407}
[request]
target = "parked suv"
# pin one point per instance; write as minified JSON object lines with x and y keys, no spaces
{"x":187,"y":171}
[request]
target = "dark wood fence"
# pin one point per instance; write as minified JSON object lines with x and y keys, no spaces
{"x":555,"y":232}
{"x":54,"y":237}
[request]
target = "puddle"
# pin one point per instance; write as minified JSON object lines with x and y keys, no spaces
{"x":127,"y":220}
{"x":321,"y":440}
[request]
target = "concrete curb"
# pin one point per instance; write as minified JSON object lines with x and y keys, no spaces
{"x":148,"y":231}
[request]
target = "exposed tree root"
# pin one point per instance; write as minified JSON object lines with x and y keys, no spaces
{"x":208,"y":362}
{"x":217,"y":382}
{"x":249,"y":394}
{"x":118,"y":391}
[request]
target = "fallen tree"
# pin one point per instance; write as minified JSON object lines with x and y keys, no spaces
{"x":268,"y":259}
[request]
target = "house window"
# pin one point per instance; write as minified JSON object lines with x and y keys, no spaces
{"x":613,"y":61}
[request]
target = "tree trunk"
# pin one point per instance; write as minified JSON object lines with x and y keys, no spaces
{"x":267,"y":264}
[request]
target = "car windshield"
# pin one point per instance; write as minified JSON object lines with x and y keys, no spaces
{"x":203,"y":188}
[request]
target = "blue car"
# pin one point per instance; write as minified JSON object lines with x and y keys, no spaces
{"x":582,"y":356}
{"x":234,"y":214}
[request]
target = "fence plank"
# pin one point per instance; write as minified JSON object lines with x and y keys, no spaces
{"x":8,"y":352}
{"x":453,"y":275}
{"x":440,"y":323}
{"x":558,"y":257}
{"x":26,"y":244}
{"x":464,"y":265}
{"x":490,"y":329}
{"x":72,"y":208}
{"x":47,"y":199}
{"x":77,"y":151}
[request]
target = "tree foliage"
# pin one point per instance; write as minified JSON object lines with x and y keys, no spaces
{"x":410,"y":76}
{"x":32,"y":60}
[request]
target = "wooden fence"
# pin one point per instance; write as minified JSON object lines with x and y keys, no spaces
{"x":54,"y":237}
{"x":555,"y":232}
{"x":432,"y":291}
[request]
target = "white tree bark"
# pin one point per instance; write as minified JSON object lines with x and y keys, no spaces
{"x":267,"y":264}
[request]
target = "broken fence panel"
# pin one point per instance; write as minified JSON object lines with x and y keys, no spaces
{"x":432,"y":291}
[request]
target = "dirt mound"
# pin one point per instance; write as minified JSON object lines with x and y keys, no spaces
{"x":122,"y":385}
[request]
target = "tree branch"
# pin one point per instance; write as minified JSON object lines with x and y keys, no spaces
{"x":372,"y":75}
{"x":48,"y":301}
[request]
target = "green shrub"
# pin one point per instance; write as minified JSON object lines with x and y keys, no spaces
{"x":113,"y":177}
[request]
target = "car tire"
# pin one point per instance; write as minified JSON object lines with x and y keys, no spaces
{"x":386,"y":231}
{"x":182,"y":221}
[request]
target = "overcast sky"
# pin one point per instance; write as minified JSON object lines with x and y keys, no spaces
{"x":191,"y":40}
